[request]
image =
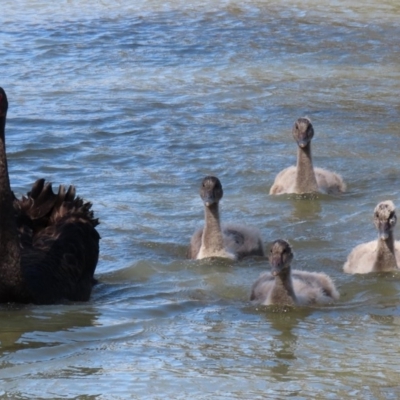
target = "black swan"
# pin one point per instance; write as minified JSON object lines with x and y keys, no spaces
{"x":229,"y":241}
{"x":49,"y":246}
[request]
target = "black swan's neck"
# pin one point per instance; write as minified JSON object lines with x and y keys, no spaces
{"x":10,"y":252}
{"x":283,"y":292}
{"x":385,"y":257}
{"x":212,"y":239}
{"x":305,"y":176}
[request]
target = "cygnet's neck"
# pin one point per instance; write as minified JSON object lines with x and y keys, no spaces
{"x":283,"y":292}
{"x":212,"y":239}
{"x":385,"y":257}
{"x":305,"y":176}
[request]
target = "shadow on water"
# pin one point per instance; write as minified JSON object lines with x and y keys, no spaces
{"x":32,"y":326}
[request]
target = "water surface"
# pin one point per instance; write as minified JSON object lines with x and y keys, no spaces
{"x":135,"y":104}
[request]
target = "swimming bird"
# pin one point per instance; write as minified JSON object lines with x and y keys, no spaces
{"x":304,"y":178}
{"x":231,"y":241}
{"x":284,"y":286}
{"x":379,"y":255}
{"x":49,"y":245}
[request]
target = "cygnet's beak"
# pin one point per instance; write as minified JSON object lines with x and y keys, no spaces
{"x":384,"y":230}
{"x":276,"y":266}
{"x":208,"y":200}
{"x":302,"y":143}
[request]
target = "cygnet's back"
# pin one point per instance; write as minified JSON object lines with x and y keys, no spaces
{"x":304,"y":178}
{"x":286,"y":287}
{"x":232,"y":241}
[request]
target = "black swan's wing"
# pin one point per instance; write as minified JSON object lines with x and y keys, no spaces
{"x":60,"y":244}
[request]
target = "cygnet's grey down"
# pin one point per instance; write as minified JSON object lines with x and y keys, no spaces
{"x":231,"y":241}
{"x":304,"y":178}
{"x":284,"y":286}
{"x":379,"y":255}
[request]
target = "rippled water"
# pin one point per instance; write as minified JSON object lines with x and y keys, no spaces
{"x":134,"y":104}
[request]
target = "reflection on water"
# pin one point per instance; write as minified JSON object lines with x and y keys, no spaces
{"x":285,"y":342}
{"x":134,"y":103}
{"x":306,"y":208}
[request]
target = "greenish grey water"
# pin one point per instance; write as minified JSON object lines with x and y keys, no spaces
{"x":135,"y":104}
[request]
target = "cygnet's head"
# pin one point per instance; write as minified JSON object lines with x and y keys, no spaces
{"x":211,"y":190}
{"x":280,"y":257}
{"x":385,"y":218}
{"x":303,"y":131}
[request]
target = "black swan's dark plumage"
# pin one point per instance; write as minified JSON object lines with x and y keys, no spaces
{"x":49,"y":246}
